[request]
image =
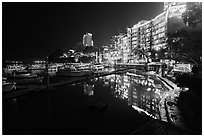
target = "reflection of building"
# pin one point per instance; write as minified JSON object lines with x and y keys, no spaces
{"x":144,"y":96}
{"x":125,"y":49}
{"x":122,"y":86}
{"x":141,"y":92}
{"x":87,"y":39}
{"x":89,"y":89}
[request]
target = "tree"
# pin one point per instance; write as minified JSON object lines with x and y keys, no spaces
{"x":193,"y":14}
{"x":140,"y":53}
{"x":187,"y":41}
{"x":79,"y":47}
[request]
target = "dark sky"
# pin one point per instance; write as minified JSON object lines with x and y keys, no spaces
{"x":34,"y":30}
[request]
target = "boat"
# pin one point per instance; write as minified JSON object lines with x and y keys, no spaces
{"x":8,"y":86}
{"x":24,"y":77}
{"x":36,"y":67}
{"x":10,"y":68}
{"x":73,"y":72}
{"x":133,"y":74}
{"x":21,"y":74}
{"x":98,"y":67}
{"x":147,"y":73}
{"x":81,"y":73}
{"x":52,"y":67}
{"x":142,"y":72}
{"x":99,"y":72}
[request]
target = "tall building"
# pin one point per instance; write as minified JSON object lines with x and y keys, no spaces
{"x":119,"y":48}
{"x":174,"y":12}
{"x":139,"y":36}
{"x":146,"y":36}
{"x":87,"y":39}
{"x":143,"y":41}
{"x":159,"y":31}
{"x":175,"y":9}
{"x":149,"y":37}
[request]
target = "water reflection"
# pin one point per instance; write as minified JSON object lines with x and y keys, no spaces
{"x":14,"y":102}
{"x":89,"y":87}
{"x":143,"y":93}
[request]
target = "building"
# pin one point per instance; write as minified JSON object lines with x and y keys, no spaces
{"x":87,"y":39}
{"x":148,"y":37}
{"x":125,"y":49}
{"x":105,"y":54}
{"x":139,"y":36}
{"x":174,"y":12}
{"x":175,"y":9}
{"x":159,"y":31}
{"x":146,"y":40}
{"x":119,"y":48}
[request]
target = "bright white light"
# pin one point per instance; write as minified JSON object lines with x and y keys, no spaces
{"x":186,"y":89}
{"x":157,"y":48}
{"x":148,"y":89}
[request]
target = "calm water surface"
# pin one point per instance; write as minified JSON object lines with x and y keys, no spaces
{"x":115,"y":104}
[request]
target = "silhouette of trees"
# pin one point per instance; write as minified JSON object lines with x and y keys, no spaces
{"x":79,"y":47}
{"x":187,"y":41}
{"x":193,"y":15}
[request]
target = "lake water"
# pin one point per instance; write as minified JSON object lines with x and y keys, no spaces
{"x":114,"y":104}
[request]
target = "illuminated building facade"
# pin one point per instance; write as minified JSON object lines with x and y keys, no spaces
{"x":147,"y":38}
{"x":175,"y":9}
{"x":125,"y":49}
{"x":159,"y":31}
{"x":119,"y":48}
{"x":122,"y":46}
{"x":87,"y":39}
{"x":89,"y":89}
{"x":139,"y":36}
{"x":105,"y":54}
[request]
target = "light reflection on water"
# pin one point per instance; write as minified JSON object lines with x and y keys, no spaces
{"x":78,"y":104}
{"x":143,"y":93}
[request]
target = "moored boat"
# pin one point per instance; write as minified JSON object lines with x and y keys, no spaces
{"x":98,"y":67}
{"x":75,"y":73}
{"x":24,"y":77}
{"x":142,"y":72}
{"x":21,"y":74}
{"x":10,"y":68}
{"x":8,"y":86}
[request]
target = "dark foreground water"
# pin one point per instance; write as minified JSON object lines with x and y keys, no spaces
{"x":115,"y":104}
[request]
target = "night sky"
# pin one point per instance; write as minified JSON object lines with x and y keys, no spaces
{"x":35,"y":30}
